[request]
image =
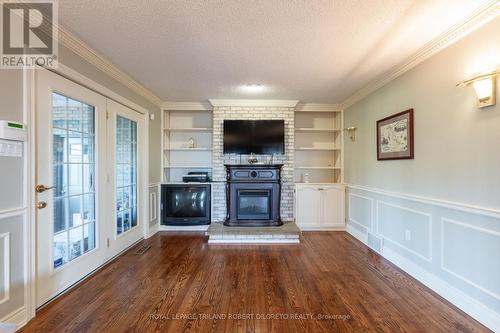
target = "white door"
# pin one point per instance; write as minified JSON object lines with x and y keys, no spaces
{"x":71,"y":132}
{"x":125,"y":128}
{"x":308,"y":207}
{"x":332,"y":200}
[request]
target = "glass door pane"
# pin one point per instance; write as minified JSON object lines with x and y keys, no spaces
{"x":126,"y":174}
{"x":73,"y":170}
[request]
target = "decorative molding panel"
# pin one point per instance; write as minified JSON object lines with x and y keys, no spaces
{"x":473,"y":22}
{"x":79,"y":47}
{"x":495,"y":213}
{"x":18,"y":317}
{"x":428,"y":216}
{"x":457,"y":274}
{"x":370,"y":200}
{"x":153,"y":203}
{"x":5,"y":268}
{"x":187,"y":106}
{"x":464,"y":302}
{"x":254,"y":103}
{"x":448,"y":272}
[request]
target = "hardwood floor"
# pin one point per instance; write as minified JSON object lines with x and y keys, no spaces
{"x":329,"y":273}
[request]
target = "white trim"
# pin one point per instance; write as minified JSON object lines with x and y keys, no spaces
{"x":6,"y":268}
{"x":145,"y":177}
{"x":96,"y":59}
{"x":448,"y":270}
{"x":154,"y":185}
{"x":187,"y":106}
{"x":153,"y":230}
{"x":29,"y":109}
{"x":5,"y":214}
{"x":254,"y":102}
{"x":84,"y":81}
{"x":371,"y":210}
{"x":475,"y":309}
{"x":304,"y":107}
{"x":153,"y":203}
{"x":255,"y":241}
{"x":472,"y":307}
{"x":429,"y":221}
{"x":357,"y":234}
{"x":477,"y":19}
{"x":17,"y":317}
{"x":358,"y":224}
{"x":490,"y":212}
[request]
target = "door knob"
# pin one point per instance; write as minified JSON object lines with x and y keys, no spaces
{"x":41,"y":204}
{"x":42,"y":188}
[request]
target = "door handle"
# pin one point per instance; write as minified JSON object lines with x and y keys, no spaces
{"x":41,"y":204}
{"x":42,"y":188}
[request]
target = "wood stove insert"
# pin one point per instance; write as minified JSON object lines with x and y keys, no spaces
{"x":253,"y":195}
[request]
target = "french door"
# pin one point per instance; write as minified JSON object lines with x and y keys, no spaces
{"x":88,"y":147}
{"x":125,"y":127}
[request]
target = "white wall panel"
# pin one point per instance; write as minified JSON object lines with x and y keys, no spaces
{"x":4,"y":268}
{"x":471,"y":254}
{"x":361,"y":210}
{"x":394,"y":222}
{"x":12,"y":286}
{"x":455,"y":247}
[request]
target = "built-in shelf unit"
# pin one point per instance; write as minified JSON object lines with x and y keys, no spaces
{"x":180,"y":123}
{"x":318,"y":145}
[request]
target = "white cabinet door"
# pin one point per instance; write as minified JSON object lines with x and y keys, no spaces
{"x":332,"y":201}
{"x":308,"y":206}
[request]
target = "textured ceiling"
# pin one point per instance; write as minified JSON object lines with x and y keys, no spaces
{"x":319,"y":51}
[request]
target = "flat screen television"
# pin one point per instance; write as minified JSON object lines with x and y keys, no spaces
{"x":254,"y":136}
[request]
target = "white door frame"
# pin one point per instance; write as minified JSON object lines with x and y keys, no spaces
{"x":29,"y":105}
{"x":59,"y":279}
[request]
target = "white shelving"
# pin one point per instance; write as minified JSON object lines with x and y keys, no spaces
{"x":179,"y":126}
{"x":318,"y":146}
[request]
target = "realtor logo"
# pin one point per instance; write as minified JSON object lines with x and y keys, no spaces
{"x":28,"y":35}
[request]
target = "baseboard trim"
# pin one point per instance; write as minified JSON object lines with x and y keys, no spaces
{"x":18,"y":317}
{"x":153,"y":230}
{"x":254,"y":241}
{"x":473,"y":308}
{"x":357,"y":234}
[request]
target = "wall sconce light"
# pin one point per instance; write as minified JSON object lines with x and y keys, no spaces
{"x":485,"y":87}
{"x":352,"y":132}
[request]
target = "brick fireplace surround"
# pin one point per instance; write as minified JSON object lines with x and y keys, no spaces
{"x":220,"y":113}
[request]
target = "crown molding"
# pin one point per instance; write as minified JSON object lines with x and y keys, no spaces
{"x":187,"y":106}
{"x":318,"y":107}
{"x":254,"y":102}
{"x":79,"y":47}
{"x":478,"y":18}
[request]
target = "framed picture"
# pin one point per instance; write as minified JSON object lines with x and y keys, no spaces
{"x":395,"y":137}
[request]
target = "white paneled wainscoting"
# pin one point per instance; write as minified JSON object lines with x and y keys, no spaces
{"x":13,"y":266}
{"x":154,"y":208}
{"x":452,"y":248}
